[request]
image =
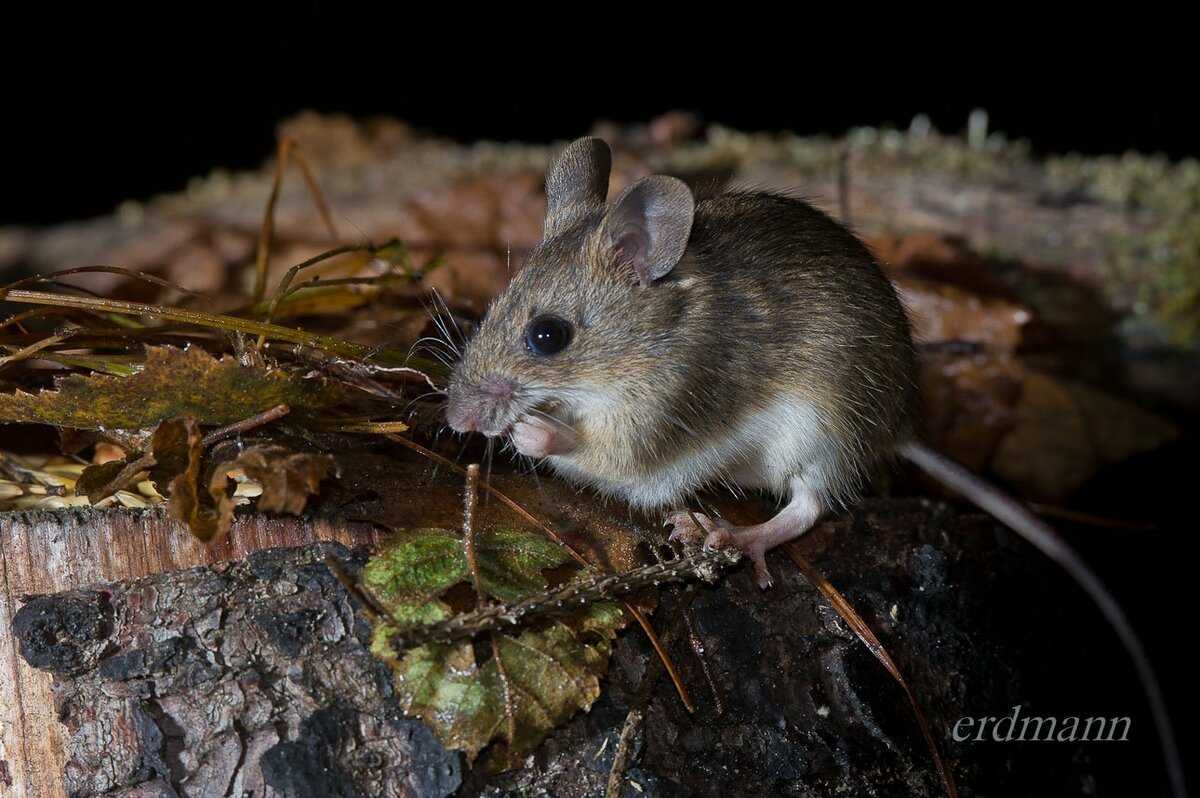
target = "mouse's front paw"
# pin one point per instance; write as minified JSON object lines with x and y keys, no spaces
{"x":696,"y":528}
{"x":690,"y":528}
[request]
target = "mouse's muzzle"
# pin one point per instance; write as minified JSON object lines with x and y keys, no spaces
{"x":485,"y":406}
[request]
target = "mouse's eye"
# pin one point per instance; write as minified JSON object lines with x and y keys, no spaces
{"x":547,"y":335}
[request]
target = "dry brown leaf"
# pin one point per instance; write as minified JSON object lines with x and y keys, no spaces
{"x":967,"y":403}
{"x":941,"y":312}
{"x":1064,"y":432}
{"x":288,"y":478}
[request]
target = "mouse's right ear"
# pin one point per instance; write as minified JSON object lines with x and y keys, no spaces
{"x":577,"y":184}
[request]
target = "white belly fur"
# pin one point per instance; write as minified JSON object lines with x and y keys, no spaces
{"x":766,"y":450}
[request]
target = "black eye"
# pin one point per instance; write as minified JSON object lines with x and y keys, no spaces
{"x":547,"y":335}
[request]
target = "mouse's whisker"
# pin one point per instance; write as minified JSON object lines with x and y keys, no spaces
{"x":435,"y":315}
{"x":449,"y":316}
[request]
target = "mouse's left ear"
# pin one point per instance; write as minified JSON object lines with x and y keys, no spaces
{"x":577,"y":184}
{"x":649,"y":225}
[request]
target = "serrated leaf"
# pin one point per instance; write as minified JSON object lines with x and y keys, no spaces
{"x":172,"y":382}
{"x":552,"y":673}
{"x":546,"y":673}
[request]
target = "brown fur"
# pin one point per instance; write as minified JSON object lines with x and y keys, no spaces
{"x":772,"y":300}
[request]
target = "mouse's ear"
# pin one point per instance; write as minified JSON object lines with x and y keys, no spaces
{"x":649,"y":225}
{"x":577,"y":184}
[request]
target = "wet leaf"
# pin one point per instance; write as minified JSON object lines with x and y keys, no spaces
{"x":172,"y":382}
{"x":287,"y":478}
{"x":545,"y":673}
{"x":95,"y":481}
{"x":207,"y":517}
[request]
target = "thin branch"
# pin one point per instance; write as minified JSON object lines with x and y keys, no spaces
{"x":245,"y":425}
{"x":703,"y":564}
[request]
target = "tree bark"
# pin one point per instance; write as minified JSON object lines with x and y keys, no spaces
{"x":254,"y":676}
{"x":51,"y":551}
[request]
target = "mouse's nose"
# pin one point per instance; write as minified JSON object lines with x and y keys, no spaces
{"x":462,"y":418}
{"x":480,"y":407}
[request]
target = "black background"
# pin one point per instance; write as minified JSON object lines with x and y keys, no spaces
{"x":102,"y":110}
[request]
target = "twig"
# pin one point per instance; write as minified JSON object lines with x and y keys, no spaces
{"x":1067,"y":514}
{"x":370,"y":606}
{"x":704,"y":564}
{"x":281,"y":289}
{"x":34,"y":348}
{"x":326,"y":343}
{"x":287,"y":147}
{"x":470,"y":501}
{"x":245,"y":425}
{"x":371,"y":427}
{"x":53,"y":278}
{"x":616,"y":776}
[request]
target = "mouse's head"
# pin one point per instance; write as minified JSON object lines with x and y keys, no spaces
{"x":585,"y":323}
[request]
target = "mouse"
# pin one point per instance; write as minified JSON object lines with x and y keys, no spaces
{"x":670,"y":341}
{"x":666,"y":343}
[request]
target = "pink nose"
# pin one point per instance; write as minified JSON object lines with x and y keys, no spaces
{"x":462,"y":419}
{"x":480,"y":407}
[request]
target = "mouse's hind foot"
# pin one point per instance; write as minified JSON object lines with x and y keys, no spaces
{"x":754,"y":541}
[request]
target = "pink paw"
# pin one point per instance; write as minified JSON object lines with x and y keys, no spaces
{"x":687,"y":527}
{"x":691,"y":528}
{"x":714,"y":532}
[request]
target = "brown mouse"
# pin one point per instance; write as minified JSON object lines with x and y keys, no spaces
{"x":666,"y":342}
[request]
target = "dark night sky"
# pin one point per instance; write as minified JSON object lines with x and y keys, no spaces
{"x":90,"y":125}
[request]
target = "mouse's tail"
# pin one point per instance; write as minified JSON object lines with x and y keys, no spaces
{"x":1017,"y":517}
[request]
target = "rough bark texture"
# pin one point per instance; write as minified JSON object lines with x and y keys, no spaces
{"x":227,"y":680}
{"x":253,"y":676}
{"x":46,"y":552}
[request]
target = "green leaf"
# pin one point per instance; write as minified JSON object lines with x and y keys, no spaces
{"x":545,"y":673}
{"x":172,"y":382}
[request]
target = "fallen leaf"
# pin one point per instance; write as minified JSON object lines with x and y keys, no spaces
{"x":172,"y":382}
{"x":288,"y":478}
{"x":967,"y":403}
{"x":1064,"y":432}
{"x":548,"y":672}
{"x":170,"y":450}
{"x":206,"y":517}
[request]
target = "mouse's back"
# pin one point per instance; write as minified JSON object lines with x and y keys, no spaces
{"x":798,"y":308}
